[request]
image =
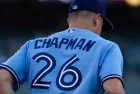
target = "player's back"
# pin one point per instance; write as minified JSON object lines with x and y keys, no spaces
{"x":66,"y":63}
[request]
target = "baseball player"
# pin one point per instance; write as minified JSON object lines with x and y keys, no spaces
{"x":73,"y":61}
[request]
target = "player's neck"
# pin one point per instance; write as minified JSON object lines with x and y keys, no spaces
{"x":80,"y":25}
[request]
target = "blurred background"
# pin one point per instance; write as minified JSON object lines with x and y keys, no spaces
{"x":21,"y":20}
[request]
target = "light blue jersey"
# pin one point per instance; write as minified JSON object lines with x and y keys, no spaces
{"x":74,"y":61}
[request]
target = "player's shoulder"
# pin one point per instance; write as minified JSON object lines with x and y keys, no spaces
{"x":106,"y":43}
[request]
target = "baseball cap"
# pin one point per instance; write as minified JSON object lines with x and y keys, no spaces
{"x":96,"y":6}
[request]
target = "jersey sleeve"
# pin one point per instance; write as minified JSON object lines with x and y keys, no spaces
{"x":112,"y":64}
{"x":16,"y":65}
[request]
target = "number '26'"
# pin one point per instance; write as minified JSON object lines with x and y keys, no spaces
{"x":66,"y":69}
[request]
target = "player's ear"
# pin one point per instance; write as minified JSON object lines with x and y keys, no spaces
{"x":97,"y":20}
{"x":97,"y":23}
{"x":100,"y":20}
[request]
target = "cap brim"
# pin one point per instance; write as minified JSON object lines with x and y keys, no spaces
{"x":107,"y":25}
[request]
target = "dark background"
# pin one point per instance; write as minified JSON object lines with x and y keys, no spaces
{"x":22,"y":20}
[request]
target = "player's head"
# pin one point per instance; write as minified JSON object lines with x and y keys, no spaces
{"x":89,"y":14}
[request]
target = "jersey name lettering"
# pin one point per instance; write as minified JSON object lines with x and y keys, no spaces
{"x":81,"y":44}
